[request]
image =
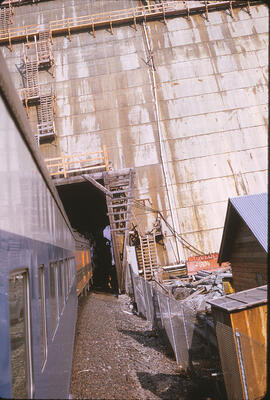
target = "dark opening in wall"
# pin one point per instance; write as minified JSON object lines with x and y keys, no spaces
{"x":86,"y":208}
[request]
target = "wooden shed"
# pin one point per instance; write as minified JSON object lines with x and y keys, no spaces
{"x":241,"y":328}
{"x":244,"y":240}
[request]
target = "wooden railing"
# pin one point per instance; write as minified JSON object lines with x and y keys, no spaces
{"x":130,"y":15}
{"x":78,"y":163}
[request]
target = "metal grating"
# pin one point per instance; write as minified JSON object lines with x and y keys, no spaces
{"x":229,"y":361}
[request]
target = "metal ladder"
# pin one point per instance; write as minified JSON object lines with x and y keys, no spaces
{"x":147,"y":255}
{"x":6,"y":17}
{"x":36,"y":55}
{"x":31,"y":79}
{"x":120,"y":184}
{"x":45,"y":111}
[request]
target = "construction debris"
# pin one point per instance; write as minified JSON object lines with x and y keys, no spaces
{"x":197,"y":289}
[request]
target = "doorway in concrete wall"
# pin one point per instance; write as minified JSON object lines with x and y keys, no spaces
{"x":86,"y":208}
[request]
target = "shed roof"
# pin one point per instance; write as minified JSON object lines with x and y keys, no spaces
{"x":253,"y":210}
{"x":241,"y":300}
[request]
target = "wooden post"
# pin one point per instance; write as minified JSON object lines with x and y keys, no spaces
{"x":248,"y":7}
{"x":27,"y":41}
{"x":187,"y":7}
{"x":27,"y":108}
{"x":106,"y":161}
{"x":164,"y":15}
{"x":111,"y":26}
{"x":135,"y":25}
{"x":64,"y":165}
{"x":9,"y":39}
{"x":69,"y":35}
{"x":231,"y":10}
{"x":51,"y":36}
{"x":206,"y":10}
{"x":93,"y":30}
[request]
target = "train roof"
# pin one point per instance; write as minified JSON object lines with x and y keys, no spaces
{"x":17,"y":112}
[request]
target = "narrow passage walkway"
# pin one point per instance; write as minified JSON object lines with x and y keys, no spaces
{"x":117,"y":356}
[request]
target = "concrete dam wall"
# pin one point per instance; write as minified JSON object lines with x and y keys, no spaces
{"x":183,"y":102}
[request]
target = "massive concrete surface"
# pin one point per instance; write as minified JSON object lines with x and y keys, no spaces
{"x":212,"y":90}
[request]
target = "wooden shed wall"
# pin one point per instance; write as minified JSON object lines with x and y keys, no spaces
{"x":252,"y":324}
{"x":248,"y":260}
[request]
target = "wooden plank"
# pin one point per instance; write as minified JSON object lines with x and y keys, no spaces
{"x":97,"y":185}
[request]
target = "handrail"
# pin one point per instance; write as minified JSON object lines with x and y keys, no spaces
{"x":141,"y":13}
{"x":69,"y":164}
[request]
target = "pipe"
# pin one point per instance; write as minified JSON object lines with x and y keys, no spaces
{"x":179,"y":248}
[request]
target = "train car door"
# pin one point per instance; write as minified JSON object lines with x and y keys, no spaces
{"x":20,"y":335}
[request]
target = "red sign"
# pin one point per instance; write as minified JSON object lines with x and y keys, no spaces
{"x":208,"y":262}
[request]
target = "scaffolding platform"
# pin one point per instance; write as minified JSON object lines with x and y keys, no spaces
{"x":77,"y":164}
{"x":168,"y":9}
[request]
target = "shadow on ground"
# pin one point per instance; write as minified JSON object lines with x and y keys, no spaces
{"x":165,"y":386}
{"x":179,"y":387}
{"x":150,"y":339}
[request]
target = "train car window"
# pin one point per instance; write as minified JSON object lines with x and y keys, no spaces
{"x":66,"y":278}
{"x":71,"y":270}
{"x":61,"y":286}
{"x":42,"y":315}
{"x":20,"y":335}
{"x":53,"y":295}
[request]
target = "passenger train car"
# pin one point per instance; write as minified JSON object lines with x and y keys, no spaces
{"x":84,"y":265}
{"x":38,"y":299}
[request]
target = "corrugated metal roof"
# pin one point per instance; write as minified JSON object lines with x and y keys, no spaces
{"x":253,"y":209}
{"x":241,"y":300}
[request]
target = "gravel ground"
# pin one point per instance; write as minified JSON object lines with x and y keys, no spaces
{"x":118,"y":356}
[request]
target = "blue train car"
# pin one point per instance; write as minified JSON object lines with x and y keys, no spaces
{"x":38,"y":301}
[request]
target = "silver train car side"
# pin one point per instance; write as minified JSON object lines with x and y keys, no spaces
{"x":38,"y":301}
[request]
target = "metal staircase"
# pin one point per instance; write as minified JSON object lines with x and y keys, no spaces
{"x":44,"y":49}
{"x":32,"y":88}
{"x":120,"y":184}
{"x":39,"y":55}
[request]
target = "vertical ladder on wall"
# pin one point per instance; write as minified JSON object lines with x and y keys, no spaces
{"x":6,"y":17}
{"x":120,"y":184}
{"x":147,"y":255}
{"x":36,"y":55}
{"x":45,"y":112}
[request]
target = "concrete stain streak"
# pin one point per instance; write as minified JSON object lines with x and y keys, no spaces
{"x":212,"y":86}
